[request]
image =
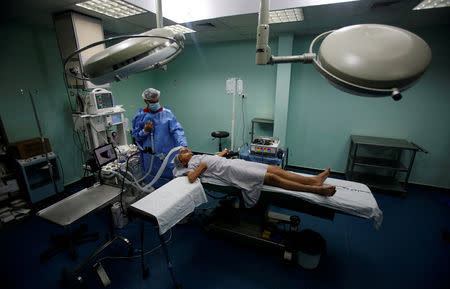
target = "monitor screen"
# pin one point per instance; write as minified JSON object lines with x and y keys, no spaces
{"x":116,"y":118}
{"x":105,"y":154}
{"x":104,"y":100}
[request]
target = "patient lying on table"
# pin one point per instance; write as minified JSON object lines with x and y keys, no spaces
{"x":249,"y":176}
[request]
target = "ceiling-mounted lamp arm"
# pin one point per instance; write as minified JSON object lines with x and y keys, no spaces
{"x":159,"y":17}
{"x":263,"y":51}
{"x":357,"y":59}
{"x":304,"y":58}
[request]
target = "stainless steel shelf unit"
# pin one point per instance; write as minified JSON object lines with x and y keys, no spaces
{"x":381,"y":163}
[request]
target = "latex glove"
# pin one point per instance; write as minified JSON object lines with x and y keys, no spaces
{"x":148,"y":126}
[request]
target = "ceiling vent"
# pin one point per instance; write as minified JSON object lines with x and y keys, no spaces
{"x":205,"y":26}
{"x":383,"y":4}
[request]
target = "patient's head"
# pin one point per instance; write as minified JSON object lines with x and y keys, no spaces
{"x":184,"y":156}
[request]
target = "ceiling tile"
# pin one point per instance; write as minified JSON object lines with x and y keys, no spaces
{"x":317,"y":18}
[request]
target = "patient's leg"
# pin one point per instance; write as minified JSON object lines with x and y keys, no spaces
{"x":277,"y":181}
{"x":315,"y":181}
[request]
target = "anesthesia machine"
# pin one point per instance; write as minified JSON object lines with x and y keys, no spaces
{"x":101,"y":121}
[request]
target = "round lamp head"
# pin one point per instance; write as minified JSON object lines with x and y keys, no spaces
{"x":372,"y":59}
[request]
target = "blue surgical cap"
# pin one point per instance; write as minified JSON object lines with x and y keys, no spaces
{"x":150,"y":93}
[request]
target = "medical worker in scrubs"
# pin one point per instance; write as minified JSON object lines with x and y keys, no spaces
{"x":159,"y":122}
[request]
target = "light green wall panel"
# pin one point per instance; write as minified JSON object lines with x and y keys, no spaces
{"x":285,"y":42}
{"x":32,"y":61}
{"x":322,"y":118}
{"x":194,"y":88}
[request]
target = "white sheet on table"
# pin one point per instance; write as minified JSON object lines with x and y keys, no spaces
{"x":351,"y":197}
{"x":172,"y":202}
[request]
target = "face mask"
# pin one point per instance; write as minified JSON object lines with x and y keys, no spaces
{"x":185,"y":151}
{"x":154,"y":106}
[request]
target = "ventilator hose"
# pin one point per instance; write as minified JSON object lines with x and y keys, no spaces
{"x":157,"y":176}
{"x":151,"y":162}
{"x":163,"y":166}
{"x":150,"y":168}
{"x":136,"y":186}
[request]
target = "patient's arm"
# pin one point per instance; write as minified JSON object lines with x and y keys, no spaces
{"x":193,"y":175}
{"x":224,"y":152}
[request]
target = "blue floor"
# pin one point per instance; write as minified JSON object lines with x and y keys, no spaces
{"x":408,"y":251}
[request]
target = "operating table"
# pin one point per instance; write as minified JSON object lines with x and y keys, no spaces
{"x":351,"y":198}
{"x":166,"y":206}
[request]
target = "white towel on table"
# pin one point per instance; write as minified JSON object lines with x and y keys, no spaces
{"x":172,"y":202}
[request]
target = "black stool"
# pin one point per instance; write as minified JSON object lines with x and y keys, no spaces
{"x":220,"y":135}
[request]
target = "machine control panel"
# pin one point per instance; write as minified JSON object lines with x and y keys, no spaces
{"x":264,"y":149}
{"x":265,"y":146}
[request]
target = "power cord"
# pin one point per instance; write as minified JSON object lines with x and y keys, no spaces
{"x":243,"y":122}
{"x":137,"y":256}
{"x":231,"y":154}
{"x":145,"y":150}
{"x":62,"y":169}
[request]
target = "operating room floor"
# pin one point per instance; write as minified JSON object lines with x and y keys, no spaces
{"x":408,"y":251}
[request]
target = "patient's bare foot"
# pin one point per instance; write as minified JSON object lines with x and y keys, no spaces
{"x":320,"y":178}
{"x":328,"y":191}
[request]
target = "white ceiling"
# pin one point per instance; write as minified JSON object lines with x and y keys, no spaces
{"x":240,"y":27}
{"x":197,"y":10}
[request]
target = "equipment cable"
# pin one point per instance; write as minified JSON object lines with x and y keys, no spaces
{"x":243,"y":123}
{"x":133,"y":182}
{"x":123,"y":181}
{"x":137,"y":256}
{"x":62,"y":169}
{"x":67,"y":90}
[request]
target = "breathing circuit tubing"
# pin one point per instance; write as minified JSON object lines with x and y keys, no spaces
{"x":151,"y":162}
{"x":135,"y":183}
{"x":163,"y":166}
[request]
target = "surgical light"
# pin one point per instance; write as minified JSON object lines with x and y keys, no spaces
{"x":146,"y":51}
{"x":286,"y":15}
{"x":112,"y":8}
{"x":136,"y":53}
{"x":180,"y":29}
{"x":367,"y":59}
{"x":428,"y":4}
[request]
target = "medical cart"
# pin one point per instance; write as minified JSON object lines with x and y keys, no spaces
{"x":36,"y":177}
{"x":380,"y":162}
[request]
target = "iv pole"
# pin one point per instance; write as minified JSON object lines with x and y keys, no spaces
{"x":49,"y":164}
